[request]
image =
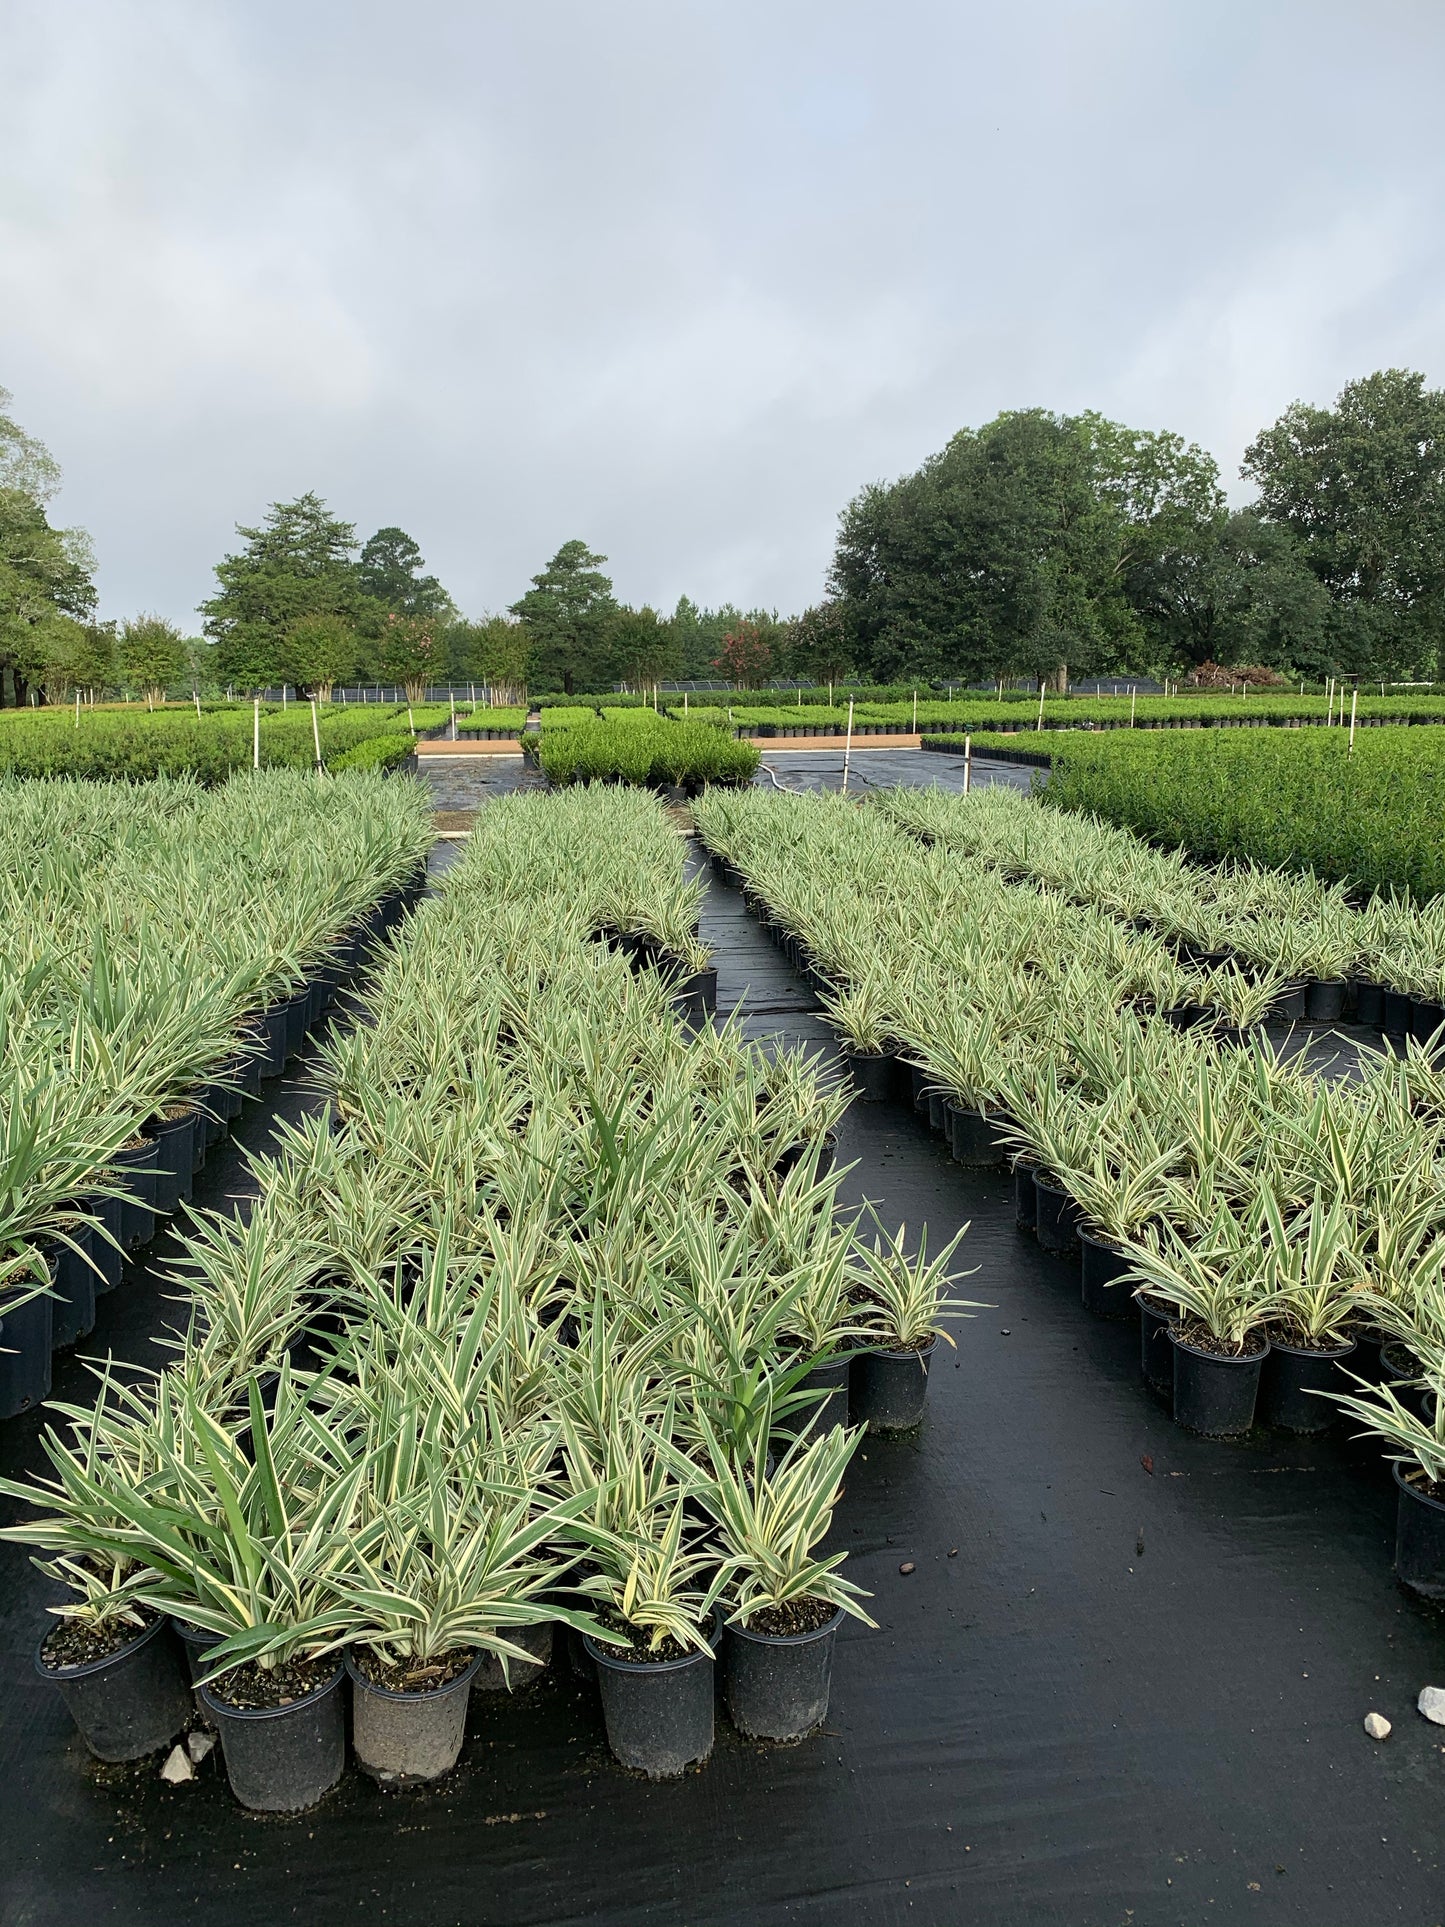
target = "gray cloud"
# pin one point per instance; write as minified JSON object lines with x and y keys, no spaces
{"x":678,"y":278}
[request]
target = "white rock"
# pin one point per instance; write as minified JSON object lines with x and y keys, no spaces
{"x":199,"y":1744}
{"x":1377,"y":1726}
{"x":1432,"y":1703}
{"x":177,"y":1769}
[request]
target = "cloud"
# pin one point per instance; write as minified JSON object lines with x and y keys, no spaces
{"x":674,"y":278}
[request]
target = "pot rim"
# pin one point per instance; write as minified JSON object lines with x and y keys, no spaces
{"x":1421,"y":1498}
{"x":423,"y":1695}
{"x":607,"y":1655}
{"x":1219,"y":1358}
{"x":736,"y":1630}
{"x":908,"y":1351}
{"x":192,"y":1634}
{"x":223,"y":1708}
{"x":64,"y":1674}
{"x":1315,"y":1351}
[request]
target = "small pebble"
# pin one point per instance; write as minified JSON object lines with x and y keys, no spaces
{"x":177,"y":1768}
{"x":1432,"y":1703}
{"x":906,"y":1567}
{"x":1377,"y":1726}
{"x":1005,"y":1331}
{"x":953,"y":1552}
{"x":199,"y":1744}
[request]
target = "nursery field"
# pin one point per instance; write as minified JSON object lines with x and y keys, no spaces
{"x":813,"y":1387}
{"x":637,"y":746}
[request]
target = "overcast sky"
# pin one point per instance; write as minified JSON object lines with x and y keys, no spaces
{"x":678,"y":278}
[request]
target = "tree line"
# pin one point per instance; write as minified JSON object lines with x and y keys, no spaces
{"x":1039,"y":545}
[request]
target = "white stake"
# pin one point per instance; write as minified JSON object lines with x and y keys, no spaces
{"x":452,"y":699}
{"x":967,"y":764}
{"x":1040,"y":723}
{"x":1354,"y":704}
{"x":410,"y":720}
{"x":848,"y":744}
{"x":256,"y":733}
{"x":1133,"y":699}
{"x":77,"y":706}
{"x":915,"y":712}
{"x":316,"y":737}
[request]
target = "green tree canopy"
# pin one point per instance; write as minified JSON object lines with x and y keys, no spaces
{"x":389,"y":569}
{"x":817,"y":645}
{"x":644,"y":647}
{"x":297,"y":563}
{"x":411,"y":652}
{"x":1362,"y":487}
{"x":152,"y":656}
{"x":567,"y":611}
{"x":317,"y":652}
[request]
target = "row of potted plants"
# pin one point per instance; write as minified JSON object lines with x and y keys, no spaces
{"x":1264,"y":1213}
{"x":552,"y":1325}
{"x":166,"y":947}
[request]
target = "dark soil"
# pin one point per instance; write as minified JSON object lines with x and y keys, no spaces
{"x":787,"y":1622}
{"x":1302,"y":1342}
{"x":1431,"y":1488}
{"x":1203,"y":1340}
{"x":78,"y":1642}
{"x":250,"y":1688}
{"x":635,"y":1654}
{"x":412,"y":1675}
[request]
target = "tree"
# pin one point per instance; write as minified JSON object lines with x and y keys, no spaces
{"x":566,"y":612}
{"x":44,"y":574}
{"x":410,"y":652}
{"x":502,"y":652}
{"x":297,"y":563}
{"x":1243,"y":593}
{"x":1362,"y":488}
{"x":318,"y":652}
{"x":817,"y":644}
{"x":152,"y":656}
{"x":389,"y":571}
{"x":643,"y":646}
{"x":26,"y":465}
{"x":747,"y":655}
{"x":78,"y":655}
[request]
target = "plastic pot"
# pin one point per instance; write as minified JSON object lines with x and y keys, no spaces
{"x":1325,"y":1003}
{"x":536,"y":1640}
{"x":136,"y":1168}
{"x":72,"y":1310}
{"x":196,"y":1642}
{"x":298,"y":1021}
{"x":175,"y":1157}
{"x":918,"y":1079}
{"x":1056,"y":1216}
{"x":1369,"y":1000}
{"x":872,"y":1074}
{"x":659,"y":1715}
{"x":972,"y":1137}
{"x":403,"y":1739}
{"x":938,"y":1107}
{"x":1365,"y":1364}
{"x":25,"y":1347}
{"x":833,"y":1376}
{"x":1156,"y":1350}
{"x":1291,"y":1005}
{"x":1426,"y":1017}
{"x":1103,"y":1265}
{"x":776,"y":1686}
{"x":1290,"y":1384}
{"x":696,"y":994}
{"x":889,"y":1388}
{"x":282,"y":1759}
{"x":1213,"y":1395}
{"x":1419,"y":1538}
{"x":1395,"y":1017}
{"x":109,"y":1262}
{"x":132,"y":1701}
{"x":1024,"y":1198}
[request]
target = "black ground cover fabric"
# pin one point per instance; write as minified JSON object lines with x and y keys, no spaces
{"x":1049,"y":1726}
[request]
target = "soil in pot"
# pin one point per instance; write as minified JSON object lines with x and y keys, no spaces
{"x":1215,"y":1388}
{"x":536,"y":1640}
{"x":890,"y":1388}
{"x":1056,"y":1215}
{"x":283,"y":1732}
{"x":1104,"y":1264}
{"x":778,"y":1670}
{"x":126,"y":1690}
{"x":657,"y":1706}
{"x":1292,"y":1380}
{"x":1420,"y":1533}
{"x":408,"y":1721}
{"x":25,"y":1346}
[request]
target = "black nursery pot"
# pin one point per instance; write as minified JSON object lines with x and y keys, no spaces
{"x":937,"y":1106}
{"x":1419,"y":1539}
{"x":282,"y":1759}
{"x":108,"y":1260}
{"x":535,"y":1639}
{"x":1325,"y":1003}
{"x":131,"y":1702}
{"x":1103,"y":1265}
{"x":1426,"y":1017}
{"x":1024,"y":1198}
{"x":404,"y":1739}
{"x":72,"y":1311}
{"x":659,"y":1715}
{"x":872,"y":1074}
{"x":25,"y":1346}
{"x":1156,"y":1349}
{"x":1291,"y":1005}
{"x":1369,"y":1002}
{"x":918,"y":1079}
{"x":972,"y":1137}
{"x":1290,"y":1384}
{"x":298,"y":1021}
{"x":889,"y":1389}
{"x":175,"y":1160}
{"x":696,"y":994}
{"x":777,"y":1687}
{"x":275,"y":1035}
{"x":830,"y":1375}
{"x":1056,"y":1215}
{"x":136,"y":1168}
{"x":1214,"y":1395}
{"x":1395,"y":1019}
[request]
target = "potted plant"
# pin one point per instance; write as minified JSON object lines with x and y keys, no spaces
{"x":1416,"y":1447}
{"x":114,"y":1660}
{"x":901,"y":1301}
{"x":1312,"y":1303}
{"x":786,"y":1603}
{"x":1219,"y":1330}
{"x":862,"y":1015}
{"x":1117,"y":1197}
